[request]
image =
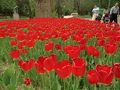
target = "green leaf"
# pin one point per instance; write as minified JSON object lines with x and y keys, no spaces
{"x":11,"y":87}
{"x":13,"y":81}
{"x":8,"y":75}
{"x":27,"y":88}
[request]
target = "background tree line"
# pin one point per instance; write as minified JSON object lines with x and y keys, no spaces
{"x":52,"y":8}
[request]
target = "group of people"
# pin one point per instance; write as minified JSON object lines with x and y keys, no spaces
{"x":108,"y":15}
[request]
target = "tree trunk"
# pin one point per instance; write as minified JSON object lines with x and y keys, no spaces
{"x":77,"y":6}
{"x":59,"y":8}
{"x":100,"y":3}
{"x":43,"y":8}
{"x":52,"y":4}
{"x":109,"y":4}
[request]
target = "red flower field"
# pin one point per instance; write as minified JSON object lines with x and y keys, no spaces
{"x":60,"y":54}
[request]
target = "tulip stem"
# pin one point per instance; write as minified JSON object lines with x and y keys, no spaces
{"x":95,"y":87}
{"x":64,"y":84}
{"x":114,"y":83}
{"x":108,"y":59}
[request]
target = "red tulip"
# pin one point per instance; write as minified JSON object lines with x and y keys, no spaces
{"x":90,"y":35}
{"x":30,"y":43}
{"x":110,"y":48}
{"x":39,"y":67}
{"x":20,"y":36}
{"x":116,"y":69}
{"x":100,"y":42}
{"x":50,"y":62}
{"x":75,"y":37}
{"x":49,"y":46}
{"x":111,"y":39}
{"x":82,"y":43}
{"x":15,"y":54}
{"x":13,"y":43}
{"x":63,"y":69}
{"x":82,"y":46}
{"x":22,"y":44}
{"x":58,"y":46}
{"x":31,"y":35}
{"x":91,"y":50}
{"x":79,"y":38}
{"x":78,"y":67}
{"x":27,"y":81}
{"x":2,"y":34}
{"x":72,"y":51}
{"x":105,"y":74}
{"x":64,"y":36}
{"x":24,"y":51}
{"x":26,"y":66}
{"x":92,"y":77}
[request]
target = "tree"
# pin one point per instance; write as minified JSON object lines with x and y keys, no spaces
{"x":77,"y":6}
{"x":109,"y":4}
{"x":7,"y":6}
{"x":100,"y":3}
{"x":59,"y":8}
{"x":43,"y":8}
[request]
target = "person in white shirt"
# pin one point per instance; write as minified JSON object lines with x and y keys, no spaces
{"x":114,"y":12}
{"x":95,"y":12}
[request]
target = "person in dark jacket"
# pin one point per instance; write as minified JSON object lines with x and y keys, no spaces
{"x":114,"y":12}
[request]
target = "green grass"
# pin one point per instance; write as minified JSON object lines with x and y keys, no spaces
{"x":85,"y":16}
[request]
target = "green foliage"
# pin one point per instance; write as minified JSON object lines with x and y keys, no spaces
{"x":27,"y":7}
{"x":7,"y":6}
{"x":68,"y":7}
{"x":86,"y":7}
{"x":8,"y":78}
{"x":31,"y":8}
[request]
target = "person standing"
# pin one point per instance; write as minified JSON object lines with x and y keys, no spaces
{"x":106,"y":15}
{"x":95,"y":12}
{"x":114,"y":12}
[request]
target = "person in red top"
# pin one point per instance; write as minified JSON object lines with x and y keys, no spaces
{"x":106,"y":15}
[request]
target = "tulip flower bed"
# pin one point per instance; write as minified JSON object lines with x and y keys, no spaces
{"x":59,"y":54}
